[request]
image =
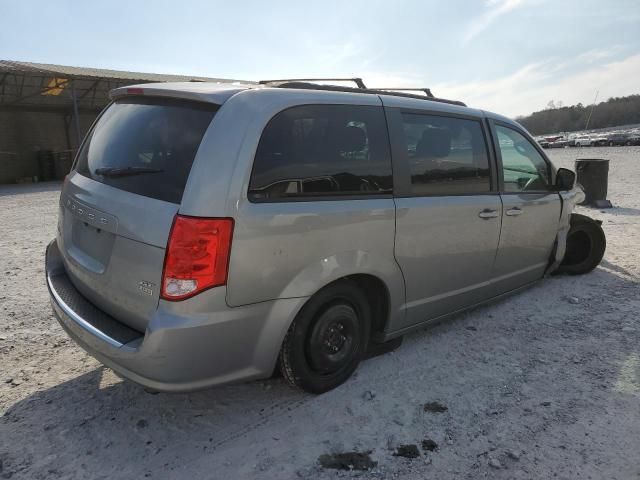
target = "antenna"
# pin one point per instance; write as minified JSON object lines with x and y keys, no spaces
{"x":591,"y":112}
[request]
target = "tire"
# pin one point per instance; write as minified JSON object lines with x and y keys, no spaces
{"x":327,"y":340}
{"x":586,"y":244}
{"x":611,"y":144}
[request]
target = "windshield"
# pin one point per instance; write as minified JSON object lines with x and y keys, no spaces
{"x":146,"y":146}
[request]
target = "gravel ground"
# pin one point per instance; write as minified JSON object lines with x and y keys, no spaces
{"x":543,"y":384}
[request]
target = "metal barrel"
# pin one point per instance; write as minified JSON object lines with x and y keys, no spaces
{"x":593,"y":175}
{"x":46,"y":165}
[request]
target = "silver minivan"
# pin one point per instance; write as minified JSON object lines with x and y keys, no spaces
{"x":214,"y":233}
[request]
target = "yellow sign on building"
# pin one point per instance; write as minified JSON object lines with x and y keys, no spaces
{"x":55,"y":86}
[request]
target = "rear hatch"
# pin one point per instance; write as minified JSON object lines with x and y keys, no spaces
{"x":117,"y":208}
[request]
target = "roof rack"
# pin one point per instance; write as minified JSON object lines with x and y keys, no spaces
{"x":373,"y":91}
{"x":358,"y":81}
{"x":427,"y":91}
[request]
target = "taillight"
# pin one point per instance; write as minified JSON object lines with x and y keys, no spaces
{"x":197,"y":256}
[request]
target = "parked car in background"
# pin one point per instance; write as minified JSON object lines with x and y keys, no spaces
{"x":557,"y":142}
{"x":583,"y":141}
{"x":542,"y":142}
{"x":208,"y":233}
{"x":619,"y":138}
{"x":633,"y":139}
{"x":600,"y":140}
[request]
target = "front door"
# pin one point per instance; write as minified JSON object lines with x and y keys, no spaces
{"x":531,"y":210}
{"x":447,"y":214}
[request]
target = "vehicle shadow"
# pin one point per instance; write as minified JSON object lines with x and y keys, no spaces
{"x":84,"y":418}
{"x":625,"y":211}
{"x":616,"y":268}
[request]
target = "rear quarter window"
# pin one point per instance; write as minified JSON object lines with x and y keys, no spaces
{"x":315,"y":151}
{"x":146,"y":146}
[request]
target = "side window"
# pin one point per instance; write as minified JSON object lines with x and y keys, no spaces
{"x":447,"y":156}
{"x":322,"y":150}
{"x":523,"y":168}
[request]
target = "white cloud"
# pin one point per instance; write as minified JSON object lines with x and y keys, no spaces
{"x":393,"y":80}
{"x":495,"y":9}
{"x":333,"y":55}
{"x":530,"y":88}
{"x":598,"y":54}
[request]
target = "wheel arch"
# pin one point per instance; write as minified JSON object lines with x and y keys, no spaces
{"x":379,"y":296}
{"x":375,"y":271}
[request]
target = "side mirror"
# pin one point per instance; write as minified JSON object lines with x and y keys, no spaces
{"x":565,"y":179}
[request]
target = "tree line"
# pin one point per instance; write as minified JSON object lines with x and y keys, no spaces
{"x":555,"y":118}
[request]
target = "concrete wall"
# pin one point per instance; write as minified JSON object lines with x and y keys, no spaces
{"x":24,"y":133}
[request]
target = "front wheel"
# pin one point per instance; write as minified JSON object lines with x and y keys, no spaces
{"x":327,"y":340}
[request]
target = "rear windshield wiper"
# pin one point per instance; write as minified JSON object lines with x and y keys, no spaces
{"x":125,"y":171}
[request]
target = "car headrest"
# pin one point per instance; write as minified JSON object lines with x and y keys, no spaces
{"x":352,"y":139}
{"x":435,"y":142}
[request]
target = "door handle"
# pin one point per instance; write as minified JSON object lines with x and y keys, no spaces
{"x":487,"y":213}
{"x":512,"y":212}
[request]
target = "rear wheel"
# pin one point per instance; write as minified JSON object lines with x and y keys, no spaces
{"x":327,"y":340}
{"x":586,"y":244}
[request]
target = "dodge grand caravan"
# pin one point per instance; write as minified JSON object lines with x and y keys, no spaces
{"x":210,"y":234}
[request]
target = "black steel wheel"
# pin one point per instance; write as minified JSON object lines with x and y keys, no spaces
{"x":327,"y":340}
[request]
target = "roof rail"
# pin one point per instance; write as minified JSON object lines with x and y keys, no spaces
{"x":369,"y":91}
{"x":358,"y":81}
{"x":427,"y":91}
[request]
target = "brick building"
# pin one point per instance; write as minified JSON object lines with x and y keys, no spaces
{"x":45,"y":110}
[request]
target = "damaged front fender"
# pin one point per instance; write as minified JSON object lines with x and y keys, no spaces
{"x":570,"y":199}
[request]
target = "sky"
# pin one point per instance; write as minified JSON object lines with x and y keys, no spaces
{"x":508,"y":56}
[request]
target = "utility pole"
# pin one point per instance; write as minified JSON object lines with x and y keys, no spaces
{"x":591,"y":112}
{"x":76,"y":115}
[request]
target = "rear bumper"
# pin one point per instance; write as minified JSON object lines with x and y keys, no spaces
{"x":187,"y":345}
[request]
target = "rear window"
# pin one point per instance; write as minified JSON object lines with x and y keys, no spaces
{"x":322,"y":151}
{"x":146,"y":146}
